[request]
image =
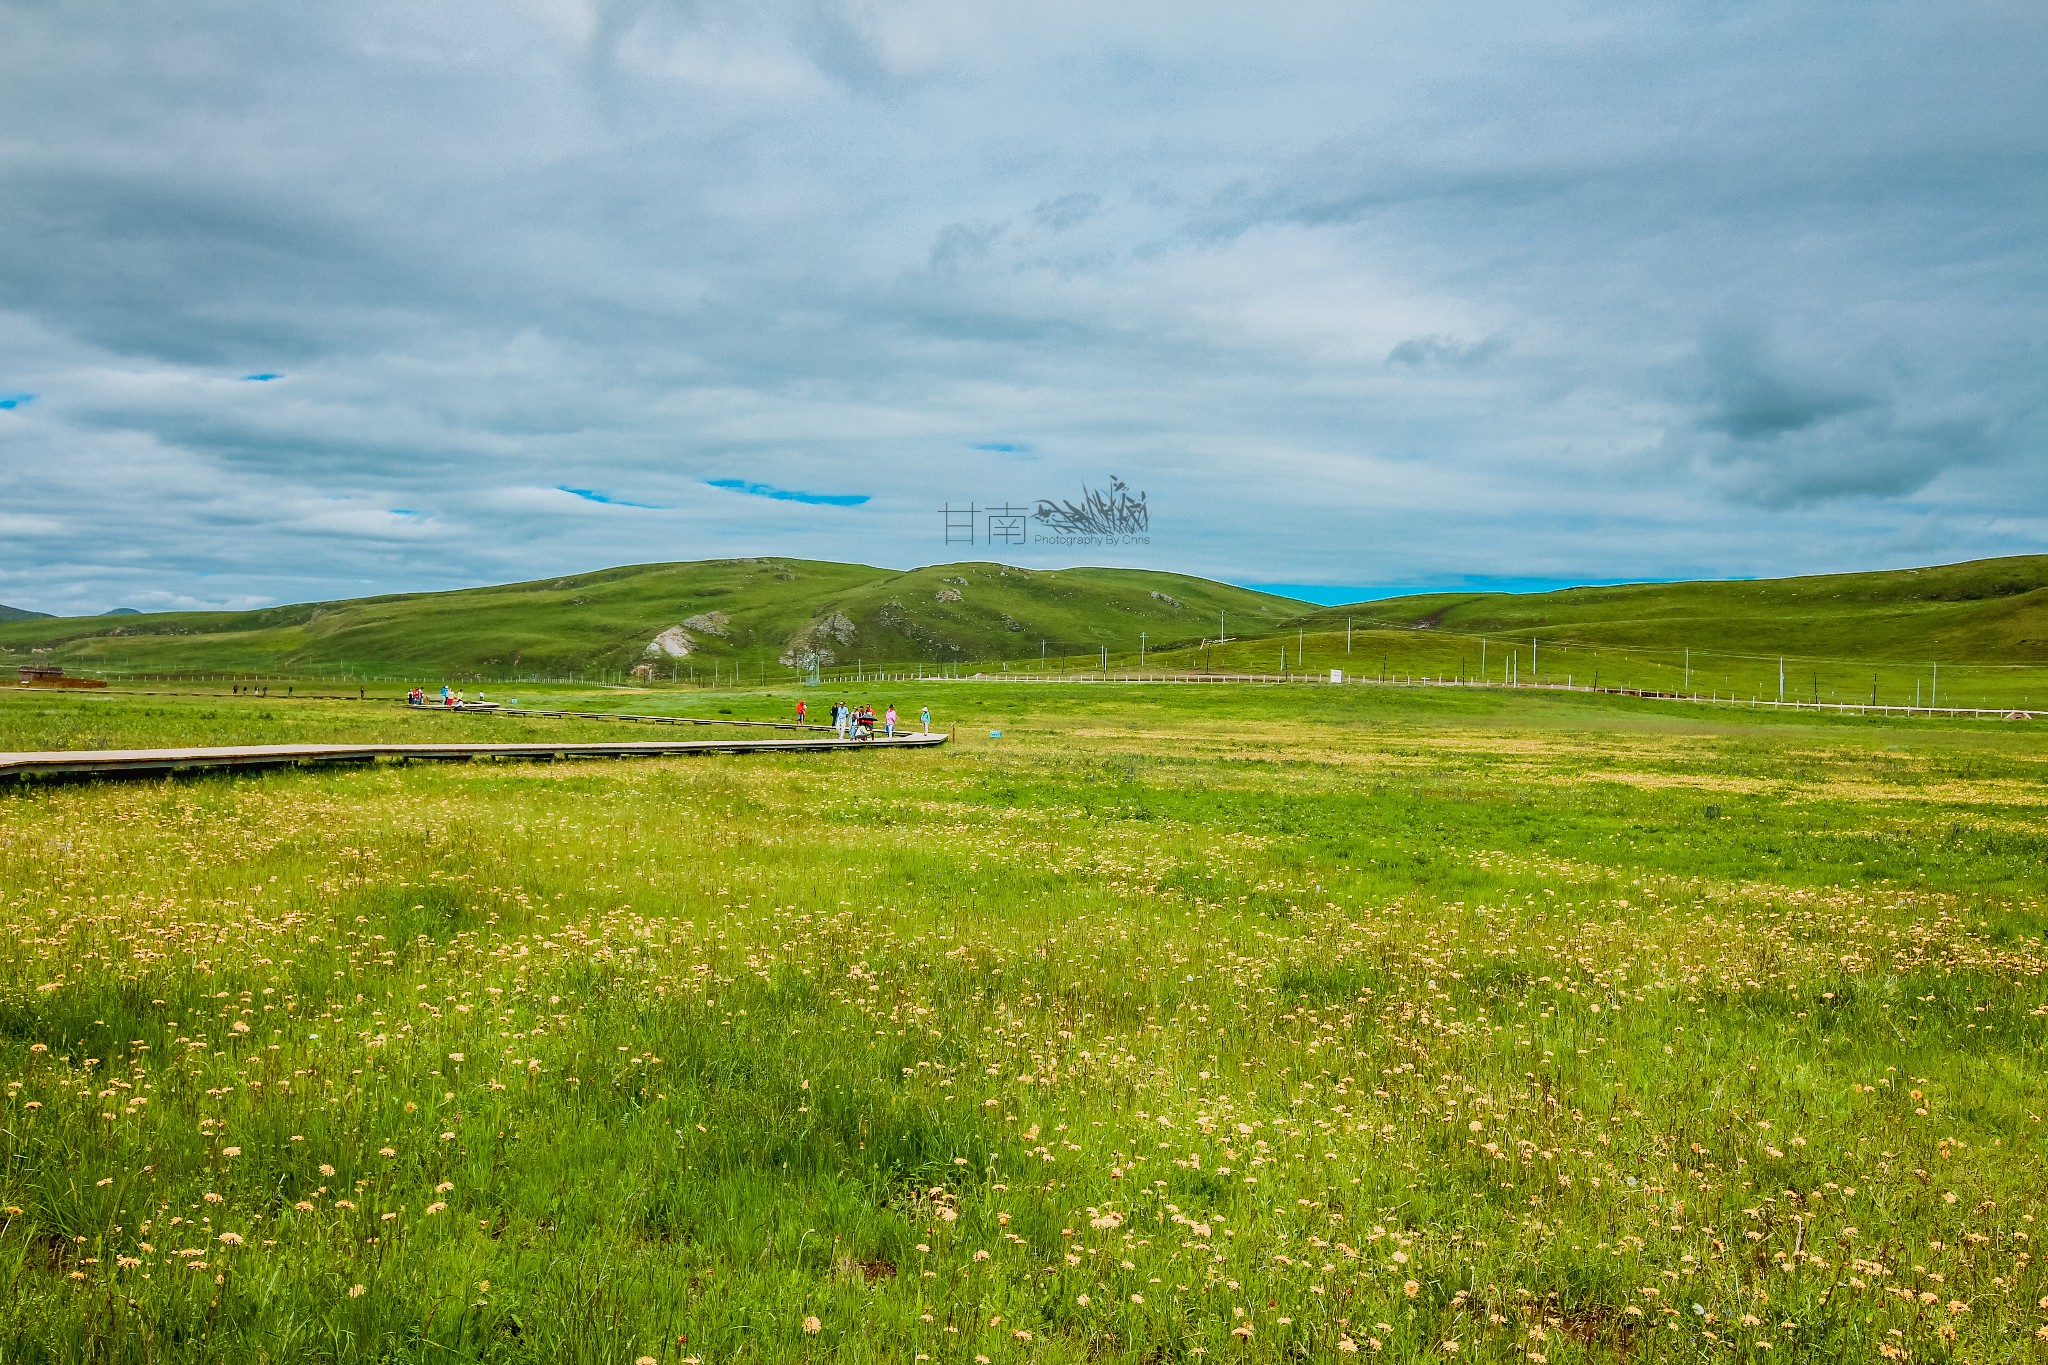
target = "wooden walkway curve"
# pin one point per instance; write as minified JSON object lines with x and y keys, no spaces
{"x":75,"y":763}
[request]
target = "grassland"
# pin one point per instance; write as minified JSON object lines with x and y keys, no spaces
{"x":1176,"y":1024}
{"x":1972,"y":635}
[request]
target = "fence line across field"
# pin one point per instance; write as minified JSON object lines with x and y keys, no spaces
{"x":1315,"y":680}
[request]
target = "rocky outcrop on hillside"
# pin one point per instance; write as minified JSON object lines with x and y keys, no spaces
{"x":709,"y":623}
{"x":673,"y":643}
{"x":816,"y":645}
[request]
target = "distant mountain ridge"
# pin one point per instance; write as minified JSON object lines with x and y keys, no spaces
{"x":8,"y":613}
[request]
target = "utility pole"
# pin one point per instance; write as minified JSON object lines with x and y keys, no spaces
{"x":1781,"y":677}
{"x":1934,"y":692}
{"x":1482,"y":658}
{"x":1532,"y":659}
{"x":1688,"y":668}
{"x":1141,"y":649}
{"x":1347,"y":635}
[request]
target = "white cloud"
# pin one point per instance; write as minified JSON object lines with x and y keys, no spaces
{"x":1355,"y":294}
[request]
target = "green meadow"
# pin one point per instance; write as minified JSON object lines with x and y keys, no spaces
{"x":1958,"y":635}
{"x":1175,"y":1024}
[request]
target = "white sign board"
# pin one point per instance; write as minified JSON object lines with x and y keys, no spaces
{"x":1336,"y":675}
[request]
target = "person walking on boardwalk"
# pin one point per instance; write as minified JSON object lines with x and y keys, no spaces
{"x":889,"y":721}
{"x":799,"y":710}
{"x":924,"y":714}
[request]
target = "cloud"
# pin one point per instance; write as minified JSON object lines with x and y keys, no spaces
{"x":762,"y":490}
{"x":1753,"y":396}
{"x":1422,"y":352}
{"x":959,"y":243}
{"x":1067,"y":211}
{"x":1783,"y":433}
{"x":1358,"y":294}
{"x":593,"y":495}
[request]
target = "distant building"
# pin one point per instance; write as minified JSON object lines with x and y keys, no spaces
{"x":51,"y":675}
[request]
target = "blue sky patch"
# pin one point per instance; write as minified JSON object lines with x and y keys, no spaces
{"x":762,"y":490}
{"x":1340,"y":594}
{"x":406,"y":512}
{"x":594,"y":495}
{"x":16,"y":400}
{"x":263,"y":378}
{"x":1002,"y":447}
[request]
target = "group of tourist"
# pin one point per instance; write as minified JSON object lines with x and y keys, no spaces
{"x":861,"y":722}
{"x":449,"y":698}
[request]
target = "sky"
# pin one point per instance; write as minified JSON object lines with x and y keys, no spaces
{"x":318,"y":300}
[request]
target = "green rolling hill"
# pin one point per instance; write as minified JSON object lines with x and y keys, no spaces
{"x":766,"y":616}
{"x":1843,"y":637}
{"x":8,"y":613}
{"x":1973,"y":634}
{"x":1985,"y":610}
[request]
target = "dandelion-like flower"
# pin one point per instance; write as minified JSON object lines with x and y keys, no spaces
{"x":812,"y":1326}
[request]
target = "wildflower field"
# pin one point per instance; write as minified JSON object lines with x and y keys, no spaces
{"x":1175,"y":1024}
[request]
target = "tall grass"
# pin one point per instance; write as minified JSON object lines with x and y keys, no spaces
{"x":1153,"y":1031}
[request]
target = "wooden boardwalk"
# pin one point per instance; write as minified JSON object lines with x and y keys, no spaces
{"x":155,"y":762}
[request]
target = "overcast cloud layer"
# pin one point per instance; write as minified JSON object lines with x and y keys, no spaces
{"x":309,"y":300}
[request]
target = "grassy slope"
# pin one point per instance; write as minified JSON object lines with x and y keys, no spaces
{"x":603,"y":620}
{"x":8,"y":613}
{"x":1992,"y":612}
{"x":1986,"y":610}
